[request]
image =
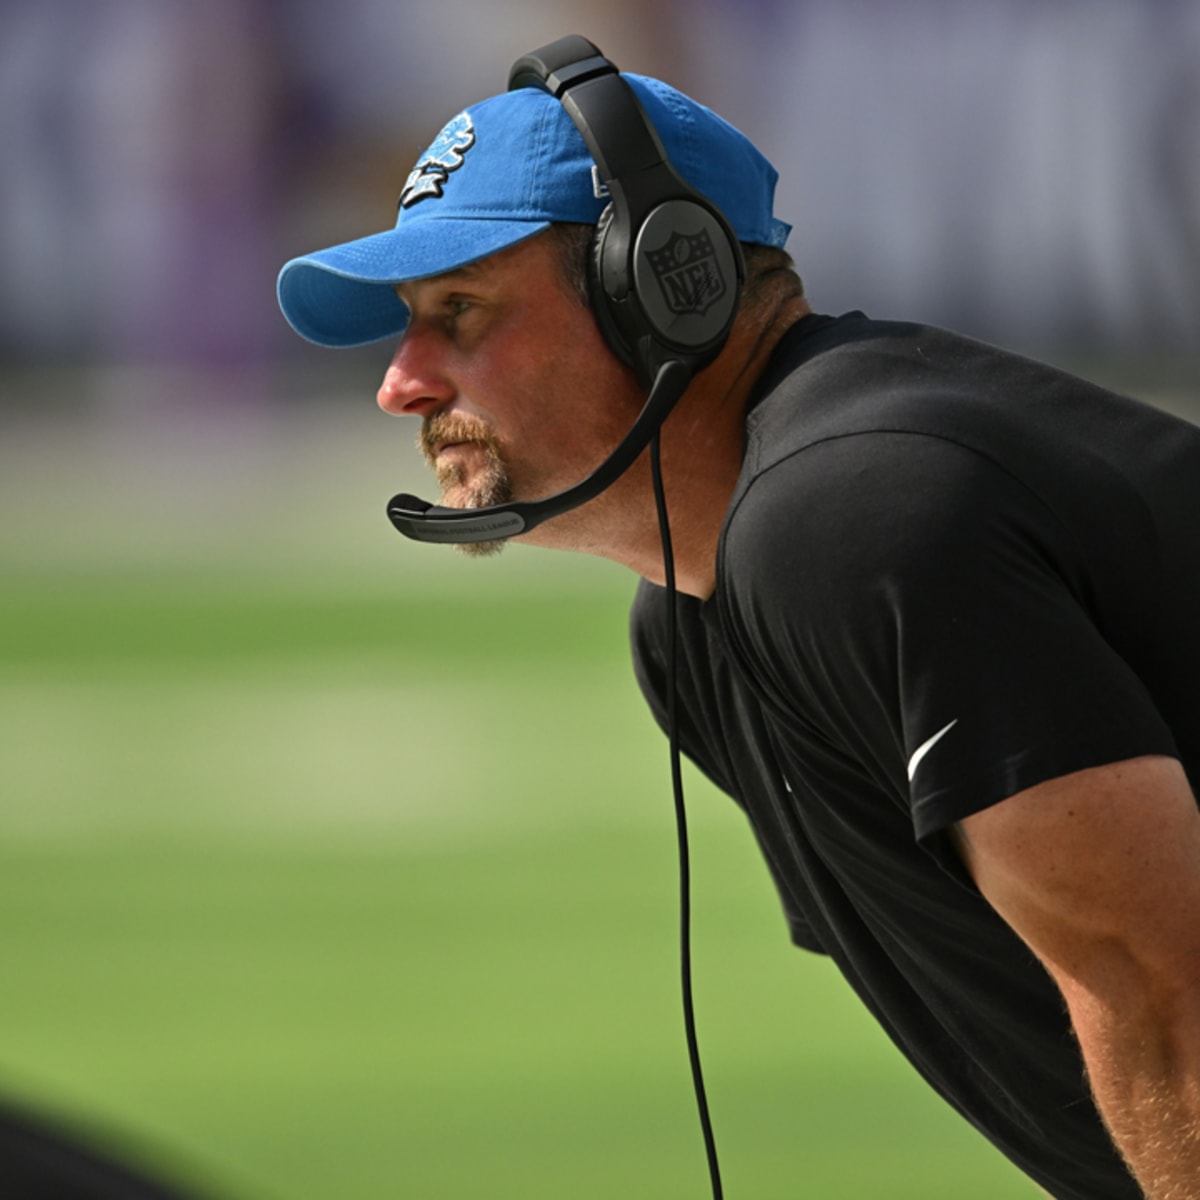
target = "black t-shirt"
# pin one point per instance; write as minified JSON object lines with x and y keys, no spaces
{"x":947,"y":574}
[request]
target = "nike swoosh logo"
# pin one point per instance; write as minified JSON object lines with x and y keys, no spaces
{"x":925,"y":747}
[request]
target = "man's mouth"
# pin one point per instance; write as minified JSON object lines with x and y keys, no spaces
{"x":449,"y":433}
{"x":458,"y":453}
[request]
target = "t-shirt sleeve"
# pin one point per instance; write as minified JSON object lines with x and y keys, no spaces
{"x":922,"y":613}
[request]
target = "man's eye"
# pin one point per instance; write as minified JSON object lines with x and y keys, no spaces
{"x":456,"y":308}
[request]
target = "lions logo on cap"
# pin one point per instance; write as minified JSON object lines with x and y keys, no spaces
{"x":434,"y":166}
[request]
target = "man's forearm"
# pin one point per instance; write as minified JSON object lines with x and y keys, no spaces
{"x":1099,"y":872}
{"x":1144,"y":1067}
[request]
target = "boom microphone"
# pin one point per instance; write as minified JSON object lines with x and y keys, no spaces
{"x":425,"y":522}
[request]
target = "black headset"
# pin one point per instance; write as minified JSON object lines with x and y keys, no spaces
{"x":665,"y":277}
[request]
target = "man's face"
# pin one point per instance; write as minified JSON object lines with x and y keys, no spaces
{"x":518,"y":394}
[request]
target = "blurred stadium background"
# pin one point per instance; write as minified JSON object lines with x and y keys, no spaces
{"x":332,"y":865}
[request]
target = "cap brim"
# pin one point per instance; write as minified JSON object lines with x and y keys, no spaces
{"x":344,"y":296}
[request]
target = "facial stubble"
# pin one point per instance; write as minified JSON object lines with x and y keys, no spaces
{"x":489,"y":483}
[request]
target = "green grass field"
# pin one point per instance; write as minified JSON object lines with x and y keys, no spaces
{"x":342,"y":894}
{"x":336,"y":867}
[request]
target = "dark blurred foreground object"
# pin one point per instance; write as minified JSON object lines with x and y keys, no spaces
{"x":40,"y":1160}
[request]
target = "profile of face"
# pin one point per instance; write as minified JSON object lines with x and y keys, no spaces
{"x":518,"y":394}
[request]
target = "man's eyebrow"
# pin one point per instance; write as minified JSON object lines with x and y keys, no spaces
{"x":464,"y":273}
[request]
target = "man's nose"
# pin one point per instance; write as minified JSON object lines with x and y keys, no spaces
{"x":414,"y":383}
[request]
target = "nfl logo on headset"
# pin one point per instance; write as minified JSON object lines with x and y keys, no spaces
{"x":687,"y":271}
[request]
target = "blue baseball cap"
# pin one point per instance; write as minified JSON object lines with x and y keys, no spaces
{"x":498,"y":173}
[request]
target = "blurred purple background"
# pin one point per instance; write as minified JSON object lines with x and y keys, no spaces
{"x":1023,"y":170}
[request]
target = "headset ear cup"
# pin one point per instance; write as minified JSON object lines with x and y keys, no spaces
{"x":687,"y":272}
{"x":667,"y":289}
{"x":599,"y":291}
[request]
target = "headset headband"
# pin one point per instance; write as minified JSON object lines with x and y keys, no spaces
{"x":667,"y":267}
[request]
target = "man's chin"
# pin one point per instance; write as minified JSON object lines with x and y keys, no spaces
{"x":480,"y":549}
{"x":468,"y":499}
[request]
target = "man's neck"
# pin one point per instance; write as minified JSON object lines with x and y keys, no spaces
{"x":702,"y":446}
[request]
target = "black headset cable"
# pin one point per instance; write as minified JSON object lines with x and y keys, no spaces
{"x":685,"y":915}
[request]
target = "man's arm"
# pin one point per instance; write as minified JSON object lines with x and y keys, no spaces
{"x":1099,"y":872}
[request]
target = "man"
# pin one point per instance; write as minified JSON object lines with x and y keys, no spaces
{"x":937,"y":635}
